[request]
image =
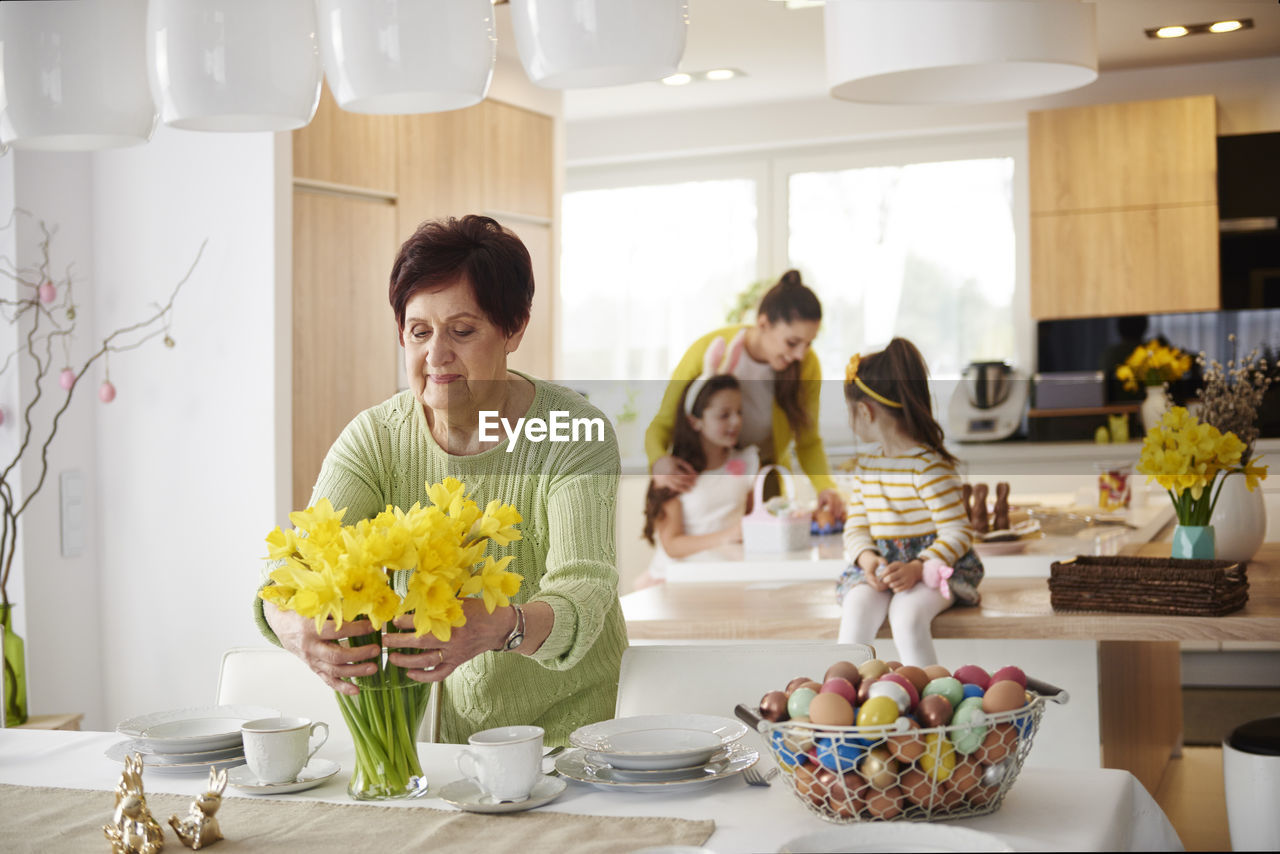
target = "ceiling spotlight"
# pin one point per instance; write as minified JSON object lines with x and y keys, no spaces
{"x":721,"y":74}
{"x":677,"y":79}
{"x":1174,"y":31}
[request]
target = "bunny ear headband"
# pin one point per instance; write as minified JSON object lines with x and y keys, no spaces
{"x":720,"y":358}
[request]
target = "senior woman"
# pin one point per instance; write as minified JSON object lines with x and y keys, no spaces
{"x":461,"y":290}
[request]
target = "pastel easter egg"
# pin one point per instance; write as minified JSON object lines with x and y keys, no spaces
{"x":972,"y":674}
{"x":877,"y":711}
{"x":843,"y":687}
{"x":967,"y":728}
{"x":1013,"y":674}
{"x":915,"y":675}
{"x":873,"y":669}
{"x":912,"y":692}
{"x":844,"y":670}
{"x":798,"y":702}
{"x":831,"y":709}
{"x":106,"y":392}
{"x":947,"y":686}
{"x":972,"y":691}
{"x":934,"y":711}
{"x":894,"y":691}
{"x":939,"y":758}
{"x":67,"y":379}
{"x":1003,"y":696}
{"x":773,"y":706}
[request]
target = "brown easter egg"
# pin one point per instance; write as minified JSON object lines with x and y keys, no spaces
{"x":999,"y":743}
{"x":915,"y":675}
{"x":879,"y":768}
{"x":806,"y":780}
{"x":773,"y":706}
{"x":951,"y":798}
{"x":887,"y":804}
{"x":845,"y":797}
{"x":933,"y":710}
{"x":908,"y":747}
{"x":967,"y":774}
{"x":831,"y":709}
{"x":864,"y":690}
{"x":1004,"y":696}
{"x":815,"y":687}
{"x":981,"y":795}
{"x":892,"y":665}
{"x":796,"y":683}
{"x":936,"y":671}
{"x":844,"y":670}
{"x":918,"y":787}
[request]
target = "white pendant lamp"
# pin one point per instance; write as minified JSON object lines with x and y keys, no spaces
{"x":958,"y":51}
{"x":407,"y":56}
{"x":73,"y":75}
{"x":234,"y":65}
{"x":568,"y":44}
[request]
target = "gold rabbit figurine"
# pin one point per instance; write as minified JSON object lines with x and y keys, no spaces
{"x":200,"y":828}
{"x":132,"y":829}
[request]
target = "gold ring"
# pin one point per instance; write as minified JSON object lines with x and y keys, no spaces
{"x":440,"y":652}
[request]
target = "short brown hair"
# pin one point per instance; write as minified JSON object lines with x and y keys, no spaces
{"x":474,"y":249}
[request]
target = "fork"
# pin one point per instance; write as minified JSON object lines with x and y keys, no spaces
{"x":755,"y":778}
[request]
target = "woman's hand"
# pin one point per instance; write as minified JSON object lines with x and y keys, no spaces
{"x":429,"y":659}
{"x":830,"y":500}
{"x":900,"y":576}
{"x":870,"y":563}
{"x":322,"y":651}
{"x":674,"y":473}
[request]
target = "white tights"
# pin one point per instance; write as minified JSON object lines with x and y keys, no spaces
{"x":910,"y":614}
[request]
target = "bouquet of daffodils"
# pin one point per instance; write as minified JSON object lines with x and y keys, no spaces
{"x":1185,"y":456}
{"x":421,"y":562}
{"x":1153,"y":364}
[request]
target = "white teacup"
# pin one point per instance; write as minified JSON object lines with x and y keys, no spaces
{"x":277,"y":749}
{"x":505,"y":762}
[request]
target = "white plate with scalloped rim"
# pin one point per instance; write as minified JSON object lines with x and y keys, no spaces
{"x":893,"y":836}
{"x":192,"y":729}
{"x":151,"y":762}
{"x":575,"y":765}
{"x":657,"y":742}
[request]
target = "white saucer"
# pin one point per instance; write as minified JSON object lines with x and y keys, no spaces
{"x":466,"y":795}
{"x":317,"y":771}
{"x":737,"y":758}
{"x":173,"y":763}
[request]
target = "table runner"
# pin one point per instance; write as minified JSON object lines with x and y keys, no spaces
{"x":70,"y":820}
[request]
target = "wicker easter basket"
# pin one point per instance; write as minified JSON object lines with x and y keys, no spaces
{"x":895,"y":773}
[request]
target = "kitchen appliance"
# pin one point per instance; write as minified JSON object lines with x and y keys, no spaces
{"x":988,"y":403}
{"x":1070,"y":389}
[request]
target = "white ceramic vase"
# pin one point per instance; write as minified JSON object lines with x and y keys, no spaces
{"x":1239,"y":520}
{"x":1153,"y":408}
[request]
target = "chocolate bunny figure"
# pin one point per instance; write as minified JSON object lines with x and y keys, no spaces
{"x":200,"y":828}
{"x":132,"y":829}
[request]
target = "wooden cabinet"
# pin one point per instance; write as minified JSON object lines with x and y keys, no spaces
{"x":362,"y":184}
{"x":1124,"y":216}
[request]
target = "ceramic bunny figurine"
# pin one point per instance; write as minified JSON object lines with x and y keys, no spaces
{"x":200,"y":828}
{"x":936,"y":574}
{"x":132,"y":829}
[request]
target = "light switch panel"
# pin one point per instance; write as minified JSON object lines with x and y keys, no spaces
{"x":74,"y":507}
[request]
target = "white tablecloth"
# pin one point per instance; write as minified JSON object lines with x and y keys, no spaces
{"x":1065,"y":810}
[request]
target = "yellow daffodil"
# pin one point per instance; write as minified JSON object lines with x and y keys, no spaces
{"x":1253,"y":473}
{"x":494,"y":583}
{"x":498,"y":524}
{"x":281,"y":544}
{"x":320,"y":520}
{"x":1153,"y":363}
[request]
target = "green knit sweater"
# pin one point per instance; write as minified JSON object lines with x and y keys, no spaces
{"x":566,"y":493}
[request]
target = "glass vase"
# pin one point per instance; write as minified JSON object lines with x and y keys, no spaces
{"x":1192,"y":542}
{"x":15,"y":671}
{"x":384,"y":719}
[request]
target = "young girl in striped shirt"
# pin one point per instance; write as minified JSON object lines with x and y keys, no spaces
{"x":906,"y":509}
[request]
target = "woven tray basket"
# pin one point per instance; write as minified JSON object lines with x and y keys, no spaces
{"x":1148,"y":585}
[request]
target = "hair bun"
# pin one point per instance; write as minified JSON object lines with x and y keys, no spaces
{"x":791,"y":279}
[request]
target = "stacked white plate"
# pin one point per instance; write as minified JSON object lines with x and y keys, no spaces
{"x":187,"y":741}
{"x":657,"y":752}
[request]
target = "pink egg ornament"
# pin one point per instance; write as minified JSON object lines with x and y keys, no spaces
{"x":47,"y":291}
{"x":972,"y":674}
{"x":67,"y":379}
{"x":1011,"y":673}
{"x":106,"y":392}
{"x":843,"y":687}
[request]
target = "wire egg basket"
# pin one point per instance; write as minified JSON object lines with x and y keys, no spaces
{"x":899,"y":772}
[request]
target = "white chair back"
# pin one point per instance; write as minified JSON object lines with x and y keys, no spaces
{"x":711,"y":678}
{"x":270,"y":676}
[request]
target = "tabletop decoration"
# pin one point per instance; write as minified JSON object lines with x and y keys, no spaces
{"x":40,"y":309}
{"x":422,"y":562}
{"x":200,"y":828}
{"x":1152,"y":365}
{"x":1186,"y":456}
{"x":133,"y":830}
{"x":1231,"y":400}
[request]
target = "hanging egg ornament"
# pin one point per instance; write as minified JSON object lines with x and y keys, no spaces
{"x":67,"y":379}
{"x":106,"y":392}
{"x":47,"y":291}
{"x":169,"y":342}
{"x":71,"y":312}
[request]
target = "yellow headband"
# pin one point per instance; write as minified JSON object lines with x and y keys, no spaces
{"x":851,"y":376}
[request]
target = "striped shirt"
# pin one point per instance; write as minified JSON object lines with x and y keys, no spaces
{"x":907,"y":495}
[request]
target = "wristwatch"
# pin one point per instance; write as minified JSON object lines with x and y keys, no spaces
{"x":517,"y":634}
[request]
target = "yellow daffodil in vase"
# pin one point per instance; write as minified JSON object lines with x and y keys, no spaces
{"x":422,"y":562}
{"x":1152,"y":365}
{"x":1190,"y":459}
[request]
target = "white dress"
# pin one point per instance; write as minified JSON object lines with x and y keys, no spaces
{"x":718,"y":497}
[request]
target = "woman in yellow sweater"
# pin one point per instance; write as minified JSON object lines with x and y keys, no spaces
{"x":780,"y":380}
